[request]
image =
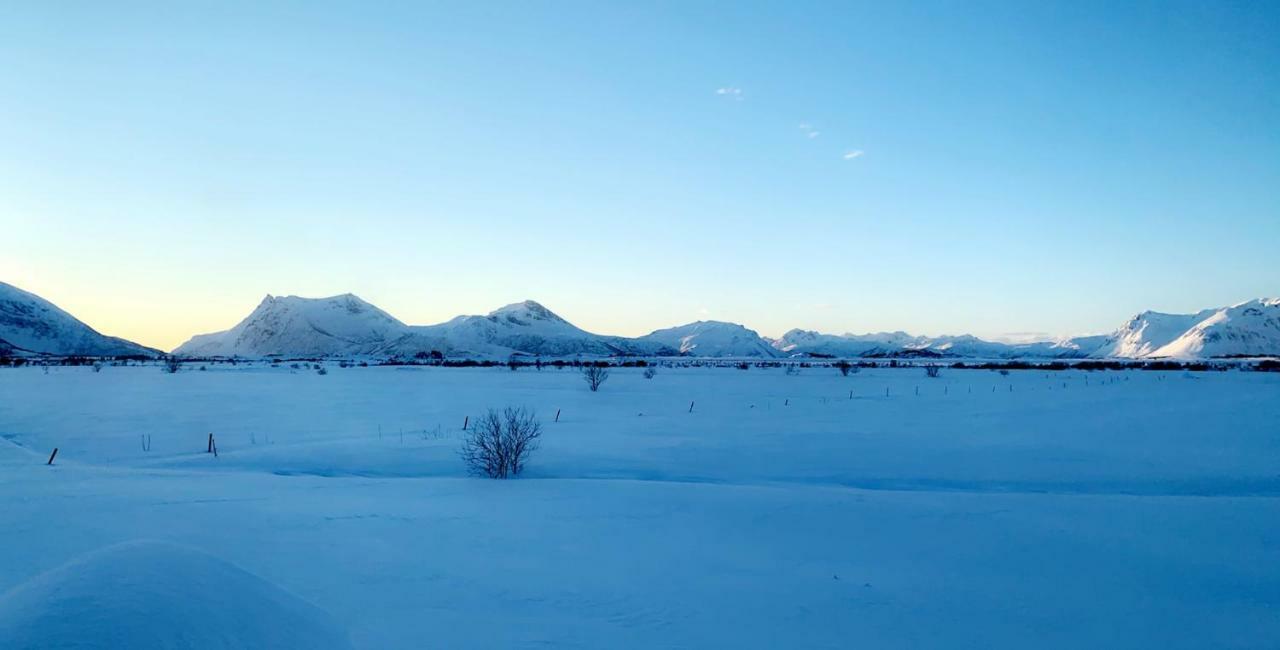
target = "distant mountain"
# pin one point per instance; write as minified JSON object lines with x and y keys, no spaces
{"x":294,"y":326}
{"x":348,"y":326}
{"x":1248,"y":329}
{"x":523,"y":328}
{"x":1146,"y":333}
{"x":713,"y":339}
{"x":31,"y":324}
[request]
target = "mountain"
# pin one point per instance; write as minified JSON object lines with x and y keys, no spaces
{"x":713,"y":339}
{"x":294,"y":326}
{"x":1147,"y":332}
{"x":1248,"y":329}
{"x":347,"y":326}
{"x":31,"y":324}
{"x":523,"y":328}
{"x":799,"y":342}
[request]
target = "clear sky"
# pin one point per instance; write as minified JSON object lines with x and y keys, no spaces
{"x":993,"y":168}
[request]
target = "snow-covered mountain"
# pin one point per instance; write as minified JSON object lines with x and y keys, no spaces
{"x":346,"y":325}
{"x":523,"y":328}
{"x":1147,"y":332}
{"x":294,"y":326}
{"x":31,"y":324}
{"x":1248,"y":329}
{"x":713,"y":339}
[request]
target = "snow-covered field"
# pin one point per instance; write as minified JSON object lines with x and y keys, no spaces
{"x":1065,"y":509}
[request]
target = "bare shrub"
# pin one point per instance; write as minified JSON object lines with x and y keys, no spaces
{"x":500,"y":443}
{"x":594,"y":376}
{"x":97,"y":366}
{"x":844,"y":367}
{"x":320,"y":370}
{"x":1004,"y":372}
{"x":791,"y":369}
{"x":932,"y":370}
{"x":172,"y":365}
{"x":650,"y":372}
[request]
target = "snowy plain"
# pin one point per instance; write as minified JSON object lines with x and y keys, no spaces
{"x":1039,"y":509}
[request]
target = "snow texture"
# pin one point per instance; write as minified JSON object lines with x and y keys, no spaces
{"x":149,"y":595}
{"x":884,"y":509}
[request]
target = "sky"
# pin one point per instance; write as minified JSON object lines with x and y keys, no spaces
{"x":1012,"y":170}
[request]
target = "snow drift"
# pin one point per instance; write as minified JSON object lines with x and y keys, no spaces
{"x":147,"y":595}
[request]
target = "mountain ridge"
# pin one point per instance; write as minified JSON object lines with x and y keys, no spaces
{"x":346,"y":325}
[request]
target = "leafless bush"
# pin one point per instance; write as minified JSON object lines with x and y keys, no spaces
{"x":933,"y":370}
{"x":791,"y":369}
{"x":172,"y":365}
{"x":97,"y":366}
{"x":320,"y":370}
{"x":844,"y":367}
{"x":1004,"y":372}
{"x":500,"y":443}
{"x":594,"y":376}
{"x":650,"y":372}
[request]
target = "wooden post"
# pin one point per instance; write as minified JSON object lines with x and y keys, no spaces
{"x":209,"y":449}
{"x":691,"y":407}
{"x":215,"y":446}
{"x":467,"y":420}
{"x":557,"y":415}
{"x":51,"y":456}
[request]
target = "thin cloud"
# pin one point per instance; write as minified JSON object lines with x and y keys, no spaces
{"x":850,"y":155}
{"x":808,"y":130}
{"x":730,"y":92}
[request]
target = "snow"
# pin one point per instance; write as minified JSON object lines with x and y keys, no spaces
{"x":148,"y":595}
{"x":1061,"y":510}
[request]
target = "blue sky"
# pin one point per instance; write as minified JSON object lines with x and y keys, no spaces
{"x":1023,"y":167}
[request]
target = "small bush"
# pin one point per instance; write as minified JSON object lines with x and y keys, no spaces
{"x":649,"y":372}
{"x":172,"y":365}
{"x":320,"y":370}
{"x":933,"y":370}
{"x":594,"y":376}
{"x":500,"y":443}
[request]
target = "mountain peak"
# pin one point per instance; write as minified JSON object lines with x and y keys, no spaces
{"x":527,"y":310}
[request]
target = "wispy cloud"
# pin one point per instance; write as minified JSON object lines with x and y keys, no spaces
{"x":731,"y":92}
{"x":808,"y":130}
{"x":850,"y":155}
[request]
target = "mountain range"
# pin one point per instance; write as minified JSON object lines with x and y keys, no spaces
{"x":345,"y":326}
